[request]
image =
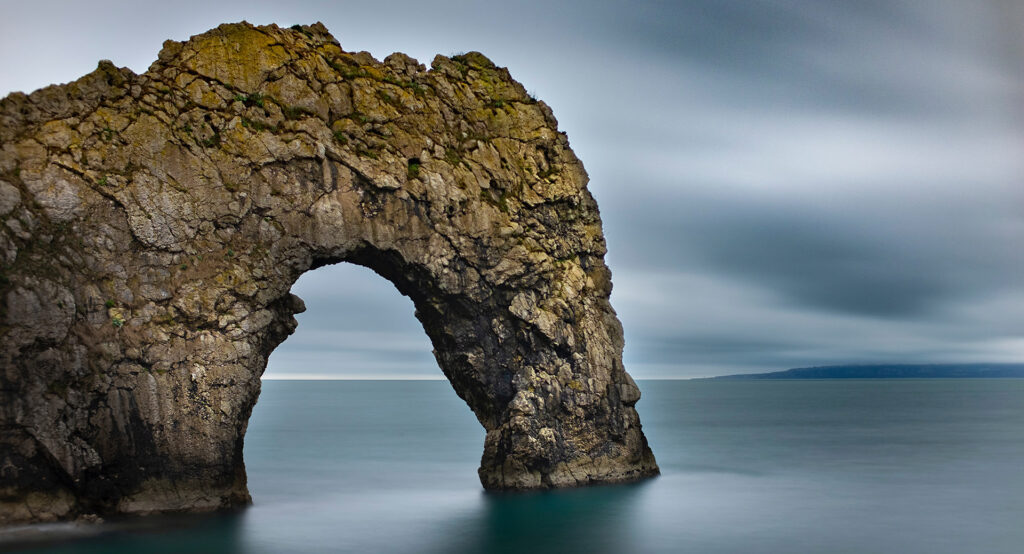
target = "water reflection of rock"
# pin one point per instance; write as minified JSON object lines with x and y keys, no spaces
{"x":155,"y":534}
{"x":592,"y":520}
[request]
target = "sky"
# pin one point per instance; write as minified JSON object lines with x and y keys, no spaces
{"x":783,"y":183}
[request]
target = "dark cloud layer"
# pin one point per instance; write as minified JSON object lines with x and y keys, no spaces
{"x":783,"y":182}
{"x":888,"y":257}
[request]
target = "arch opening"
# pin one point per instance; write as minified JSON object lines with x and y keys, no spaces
{"x":356,"y":326}
{"x":353,"y":397}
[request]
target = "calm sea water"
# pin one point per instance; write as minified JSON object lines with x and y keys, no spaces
{"x":905,"y":466}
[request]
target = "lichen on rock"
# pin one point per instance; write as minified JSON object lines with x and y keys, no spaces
{"x":154,"y":224}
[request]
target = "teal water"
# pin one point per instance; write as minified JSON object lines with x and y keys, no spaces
{"x":862,"y":466}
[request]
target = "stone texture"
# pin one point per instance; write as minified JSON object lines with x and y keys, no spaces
{"x":153,"y":225}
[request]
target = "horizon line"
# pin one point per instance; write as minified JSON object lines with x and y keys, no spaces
{"x":415,"y":378}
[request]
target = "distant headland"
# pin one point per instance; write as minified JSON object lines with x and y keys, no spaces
{"x":891,"y":371}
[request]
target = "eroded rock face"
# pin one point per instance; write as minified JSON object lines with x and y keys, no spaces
{"x":152,"y":226}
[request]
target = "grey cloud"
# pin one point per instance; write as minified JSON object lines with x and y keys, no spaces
{"x":891,"y":57}
{"x":897,"y":260}
{"x":698,"y":324}
{"x":783,"y":182}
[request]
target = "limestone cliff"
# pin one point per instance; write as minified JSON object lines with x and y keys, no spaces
{"x":152,"y":226}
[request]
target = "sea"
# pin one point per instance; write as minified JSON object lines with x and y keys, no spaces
{"x":799,"y":466}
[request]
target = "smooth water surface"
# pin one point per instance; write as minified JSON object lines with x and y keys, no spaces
{"x":906,"y":466}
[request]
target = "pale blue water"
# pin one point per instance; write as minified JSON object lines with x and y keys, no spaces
{"x":907,"y":466}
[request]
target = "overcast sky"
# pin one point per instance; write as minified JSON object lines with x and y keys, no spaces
{"x":783,"y":183}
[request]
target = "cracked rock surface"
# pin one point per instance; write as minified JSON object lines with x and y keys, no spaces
{"x":152,"y":225}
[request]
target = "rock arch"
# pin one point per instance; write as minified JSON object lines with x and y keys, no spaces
{"x":154,"y":224}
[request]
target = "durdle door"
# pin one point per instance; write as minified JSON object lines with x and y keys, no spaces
{"x":152,"y":226}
